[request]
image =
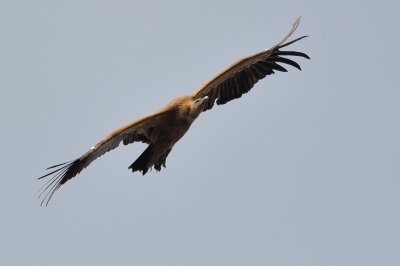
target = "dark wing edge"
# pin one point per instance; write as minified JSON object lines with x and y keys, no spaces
{"x":136,"y":131}
{"x":241,"y":76}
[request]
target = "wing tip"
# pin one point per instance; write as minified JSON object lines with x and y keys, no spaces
{"x":293,"y":41}
{"x":57,"y":165}
{"x":61,"y":175}
{"x":296,"y":23}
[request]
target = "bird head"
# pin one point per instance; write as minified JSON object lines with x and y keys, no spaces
{"x":198,"y":106}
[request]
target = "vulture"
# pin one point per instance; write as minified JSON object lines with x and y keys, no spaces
{"x":162,"y":129}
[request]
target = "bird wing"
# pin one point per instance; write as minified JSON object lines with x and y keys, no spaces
{"x":137,"y":131}
{"x":239,"y":77}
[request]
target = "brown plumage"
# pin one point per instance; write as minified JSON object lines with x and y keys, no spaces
{"x":162,"y":129}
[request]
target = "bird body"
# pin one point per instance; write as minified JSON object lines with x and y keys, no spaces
{"x":180,"y":113}
{"x":162,"y":129}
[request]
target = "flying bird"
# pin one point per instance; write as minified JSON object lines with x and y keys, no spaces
{"x":162,"y":129}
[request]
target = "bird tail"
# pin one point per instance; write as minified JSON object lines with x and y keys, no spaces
{"x":142,"y":163}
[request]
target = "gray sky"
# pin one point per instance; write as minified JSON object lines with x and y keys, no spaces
{"x":303,"y":170}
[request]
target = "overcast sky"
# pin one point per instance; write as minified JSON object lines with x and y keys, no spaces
{"x":303,"y":170}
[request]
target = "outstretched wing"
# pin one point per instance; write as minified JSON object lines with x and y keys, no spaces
{"x":238,"y":78}
{"x":137,"y":131}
